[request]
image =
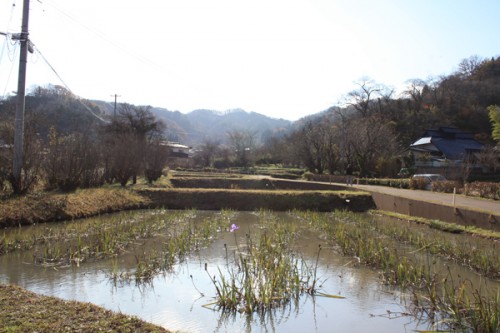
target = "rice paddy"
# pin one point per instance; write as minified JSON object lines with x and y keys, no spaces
{"x":263,"y":268}
{"x":451,"y":303}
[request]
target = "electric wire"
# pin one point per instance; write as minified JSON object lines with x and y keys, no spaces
{"x":12,"y":66}
{"x":103,"y":36}
{"x":9,"y":21}
{"x":5,"y":45}
{"x":68,"y":88}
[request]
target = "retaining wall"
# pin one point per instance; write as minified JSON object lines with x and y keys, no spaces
{"x":442,"y":212}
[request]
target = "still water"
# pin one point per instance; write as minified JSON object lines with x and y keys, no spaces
{"x":176,"y":300}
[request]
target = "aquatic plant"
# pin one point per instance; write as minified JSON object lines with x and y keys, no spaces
{"x":266,"y":273}
{"x":181,"y":239}
{"x":449,"y":304}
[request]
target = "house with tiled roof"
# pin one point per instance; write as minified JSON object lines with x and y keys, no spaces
{"x":444,"y":149}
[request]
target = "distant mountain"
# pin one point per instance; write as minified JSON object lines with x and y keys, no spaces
{"x":196,"y":126}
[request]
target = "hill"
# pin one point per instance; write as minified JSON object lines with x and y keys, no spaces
{"x":196,"y":126}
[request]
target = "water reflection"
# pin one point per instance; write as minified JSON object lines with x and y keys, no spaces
{"x":177,"y":301}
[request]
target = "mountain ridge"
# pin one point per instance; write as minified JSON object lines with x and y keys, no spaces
{"x":196,"y":126}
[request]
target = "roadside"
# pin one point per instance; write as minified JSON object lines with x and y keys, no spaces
{"x":448,"y":199}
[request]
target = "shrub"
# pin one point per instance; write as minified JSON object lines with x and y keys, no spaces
{"x":418,"y":183}
{"x":390,"y":182}
{"x":284,"y":175}
{"x":445,"y":186}
{"x":483,"y":189}
{"x":308,"y":176}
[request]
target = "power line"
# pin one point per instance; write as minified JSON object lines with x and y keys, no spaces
{"x":68,"y":88}
{"x":103,"y":36}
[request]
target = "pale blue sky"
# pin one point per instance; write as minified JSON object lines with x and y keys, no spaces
{"x":281,"y":58}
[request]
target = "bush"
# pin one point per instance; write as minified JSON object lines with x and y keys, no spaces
{"x":390,"y":182}
{"x":284,"y":175}
{"x":418,"y":183}
{"x":308,"y":176}
{"x":445,"y":186}
{"x":483,"y":189}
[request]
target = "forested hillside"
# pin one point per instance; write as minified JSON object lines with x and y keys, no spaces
{"x":72,"y":142}
{"x":374,"y":127}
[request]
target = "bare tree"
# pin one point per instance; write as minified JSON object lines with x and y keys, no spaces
{"x":309,"y":145}
{"x":415,"y":91}
{"x":361,"y":98}
{"x":369,"y":140}
{"x":243,"y":144}
{"x":127,"y":139}
{"x":469,"y":66}
{"x":155,"y":160}
{"x":207,"y":152}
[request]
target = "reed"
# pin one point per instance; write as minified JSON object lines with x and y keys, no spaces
{"x":449,"y":304}
{"x":93,"y":239}
{"x":266,"y":273}
{"x":182,"y":238}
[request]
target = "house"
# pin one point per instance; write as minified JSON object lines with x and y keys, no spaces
{"x":178,"y":154}
{"x":446,"y":150}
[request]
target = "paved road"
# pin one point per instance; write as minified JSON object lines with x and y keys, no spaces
{"x":436,"y":197}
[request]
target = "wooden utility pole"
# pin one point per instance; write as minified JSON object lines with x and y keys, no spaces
{"x":21,"y":87}
{"x":116,"y":97}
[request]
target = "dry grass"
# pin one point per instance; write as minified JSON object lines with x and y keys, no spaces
{"x":216,"y":199}
{"x":24,"y":311}
{"x":52,"y":206}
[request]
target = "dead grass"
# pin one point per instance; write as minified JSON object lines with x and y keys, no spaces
{"x":278,"y":200}
{"x":24,"y":311}
{"x":52,"y":206}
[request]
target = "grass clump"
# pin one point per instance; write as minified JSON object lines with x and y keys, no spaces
{"x":266,"y":272}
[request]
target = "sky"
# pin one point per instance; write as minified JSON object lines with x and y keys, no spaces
{"x":281,"y":58}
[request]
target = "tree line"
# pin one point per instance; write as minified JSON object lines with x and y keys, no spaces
{"x":373,"y":128}
{"x":71,"y":144}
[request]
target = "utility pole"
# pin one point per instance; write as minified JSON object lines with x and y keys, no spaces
{"x":19,"y":120}
{"x":116,"y":96}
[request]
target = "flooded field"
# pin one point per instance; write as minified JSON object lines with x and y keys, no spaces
{"x":172,"y":268}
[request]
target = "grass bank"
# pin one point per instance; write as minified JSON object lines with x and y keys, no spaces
{"x":217,"y":199}
{"x":53,"y":206}
{"x":24,"y":311}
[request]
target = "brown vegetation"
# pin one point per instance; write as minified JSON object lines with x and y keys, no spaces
{"x":52,"y":206}
{"x":24,"y":311}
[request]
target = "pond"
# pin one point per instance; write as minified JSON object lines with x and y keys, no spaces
{"x":181,"y":298}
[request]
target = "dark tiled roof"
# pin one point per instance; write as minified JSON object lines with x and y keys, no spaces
{"x":452,"y":142}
